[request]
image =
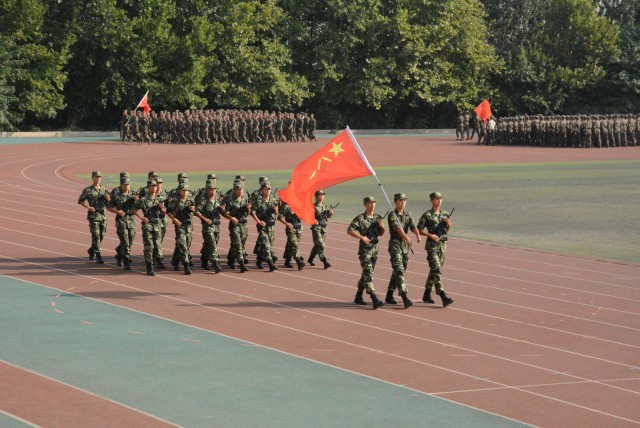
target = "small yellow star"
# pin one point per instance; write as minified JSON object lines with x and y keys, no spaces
{"x":336,"y":149}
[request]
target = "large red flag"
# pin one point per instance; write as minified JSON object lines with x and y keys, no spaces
{"x":483,"y":110}
{"x":144,"y":104}
{"x":338,"y":161}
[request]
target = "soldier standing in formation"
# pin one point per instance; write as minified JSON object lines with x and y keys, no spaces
{"x":436,"y":248}
{"x":148,"y":210}
{"x":367,"y":227}
{"x":264,"y":211}
{"x":208,"y":210}
{"x":180,"y":211}
{"x":121,"y":204}
{"x":400,"y":223}
{"x":94,"y":199}
{"x":293,"y":229}
{"x":237,"y":208}
{"x":319,"y":229}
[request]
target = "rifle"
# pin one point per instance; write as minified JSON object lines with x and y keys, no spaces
{"x":374,"y":230}
{"x":127,"y":207}
{"x":185,"y":214}
{"x":295,"y":221}
{"x":99,"y":203}
{"x":324,"y":215}
{"x":441,"y":229}
{"x":153,"y":214}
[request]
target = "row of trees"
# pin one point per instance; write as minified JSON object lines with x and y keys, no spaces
{"x":370,"y":63}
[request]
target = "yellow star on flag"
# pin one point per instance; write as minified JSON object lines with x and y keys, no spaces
{"x":336,"y":149}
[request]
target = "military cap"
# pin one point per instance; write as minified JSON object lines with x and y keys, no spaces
{"x":319,"y":192}
{"x":240,"y":177}
{"x":368,"y":199}
{"x":182,"y":175}
{"x":152,"y":183}
{"x":398,"y":196}
{"x":266,"y":184}
{"x":124,"y":174}
{"x":159,"y":180}
{"x":237,"y":185}
{"x":183,"y":180}
{"x":436,"y":195}
{"x":262,"y":179}
{"x":211,"y":176}
{"x":210,"y":185}
{"x":125,"y":180}
{"x":183,"y":186}
{"x":96,"y":174}
{"x":151,"y":174}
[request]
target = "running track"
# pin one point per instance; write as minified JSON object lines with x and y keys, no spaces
{"x":545,"y":339}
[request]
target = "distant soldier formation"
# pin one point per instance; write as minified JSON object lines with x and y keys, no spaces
{"x":586,"y":131}
{"x":216,"y":127}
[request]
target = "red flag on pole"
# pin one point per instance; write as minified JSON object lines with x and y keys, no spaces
{"x":338,"y":161}
{"x":144,"y":104}
{"x":483,"y":110}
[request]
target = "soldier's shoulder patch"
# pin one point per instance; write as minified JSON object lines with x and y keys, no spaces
{"x":393,"y":217}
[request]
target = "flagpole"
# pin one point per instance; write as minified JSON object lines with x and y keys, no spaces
{"x":369,"y":165}
{"x":134,"y":110}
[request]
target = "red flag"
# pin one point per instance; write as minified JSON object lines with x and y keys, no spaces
{"x":483,"y":110}
{"x":144,"y":104}
{"x":338,"y":161}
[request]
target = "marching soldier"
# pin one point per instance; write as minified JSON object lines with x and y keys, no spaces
{"x":367,"y":227}
{"x":400,"y":223}
{"x":436,"y":247}
{"x":121,"y":204}
{"x":148,"y":210}
{"x":319,"y":229}
{"x":208,"y":210}
{"x":265,"y":213}
{"x":94,"y":199}
{"x":180,"y":211}
{"x":237,"y":208}
{"x":293,"y":230}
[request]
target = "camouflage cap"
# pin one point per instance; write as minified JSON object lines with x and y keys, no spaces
{"x":240,"y":177}
{"x":152,"y":183}
{"x":125,"y":180}
{"x":183,"y":186}
{"x":211,"y":176}
{"x":96,"y":174}
{"x":399,"y":196}
{"x":183,"y":180}
{"x":263,"y":179}
{"x":237,"y":185}
{"x":266,"y":185}
{"x":436,"y":195}
{"x":124,"y":174}
{"x":319,"y":192}
{"x":159,"y":180}
{"x":210,"y":185}
{"x":368,"y":199}
{"x":182,"y":175}
{"x":151,"y":174}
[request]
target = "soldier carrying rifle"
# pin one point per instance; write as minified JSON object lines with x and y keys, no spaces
{"x":94,"y":199}
{"x":319,"y":229}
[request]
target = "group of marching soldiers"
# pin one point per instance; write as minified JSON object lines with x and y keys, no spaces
{"x":587,"y":131}
{"x":216,"y":127}
{"x":155,"y":208}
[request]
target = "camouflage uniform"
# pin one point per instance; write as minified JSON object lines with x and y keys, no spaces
{"x":318,"y":232}
{"x":294,"y":233}
{"x":151,"y":208}
{"x":97,"y":198}
{"x":265,"y":210}
{"x":123,"y":200}
{"x":181,"y":209}
{"x":237,"y":207}
{"x":210,"y":209}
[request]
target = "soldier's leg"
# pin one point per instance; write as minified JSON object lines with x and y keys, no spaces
{"x":207,"y":247}
{"x":397,"y":275}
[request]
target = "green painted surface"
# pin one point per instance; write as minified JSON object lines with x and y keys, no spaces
{"x":6,"y":421}
{"x":196,"y":378}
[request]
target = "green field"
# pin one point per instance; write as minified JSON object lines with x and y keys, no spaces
{"x":582,"y":208}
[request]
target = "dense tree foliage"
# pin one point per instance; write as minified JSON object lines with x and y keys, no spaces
{"x":367,"y":63}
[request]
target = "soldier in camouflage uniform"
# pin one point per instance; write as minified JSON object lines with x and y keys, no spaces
{"x":264,"y":211}
{"x":208,"y":210}
{"x":367,"y":227}
{"x":436,"y":249}
{"x":180,"y":211}
{"x":148,"y":209}
{"x":121,"y":203}
{"x":293,"y":230}
{"x":237,"y":208}
{"x":319,"y":229}
{"x":400,"y":223}
{"x":163,"y":196}
{"x":94,"y":199}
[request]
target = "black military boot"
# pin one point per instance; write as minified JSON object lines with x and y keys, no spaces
{"x":359,"y":300}
{"x":405,"y":299}
{"x":446,"y":300}
{"x":216,"y":267}
{"x":376,"y":302}
{"x":326,"y":263}
{"x":127,"y":266}
{"x":118,"y":259}
{"x":300,"y":263}
{"x":91,"y":254}
{"x":310,"y":261}
{"x":272,"y":267}
{"x":150,"y":271}
{"x":190,"y":261}
{"x":274,"y":257}
{"x":187,"y":268}
{"x":259,"y":263}
{"x":243,"y":267}
{"x":176,"y":265}
{"x":160,"y":264}
{"x":389,"y":298}
{"x":99,"y":259}
{"x":426,"y":297}
{"x":287,"y":263}
{"x":205,"y":265}
{"x":231,"y":263}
